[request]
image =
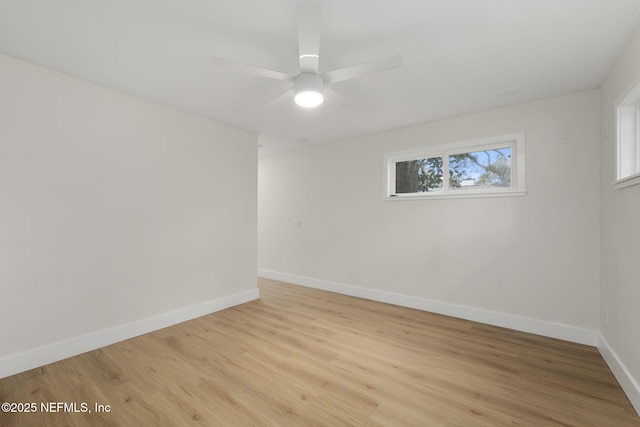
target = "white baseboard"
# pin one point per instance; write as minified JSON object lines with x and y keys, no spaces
{"x":626,"y":380}
{"x":539,"y":327}
{"x":20,"y":362}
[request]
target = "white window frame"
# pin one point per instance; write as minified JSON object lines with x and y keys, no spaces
{"x":515,"y":141}
{"x":628,"y":138}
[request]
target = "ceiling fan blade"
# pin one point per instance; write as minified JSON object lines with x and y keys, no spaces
{"x":334,"y":97}
{"x":287,"y":96}
{"x":354,"y":71}
{"x":250,"y":69}
{"x":308,"y":37}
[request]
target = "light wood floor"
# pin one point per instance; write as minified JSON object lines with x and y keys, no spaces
{"x":303,"y":357}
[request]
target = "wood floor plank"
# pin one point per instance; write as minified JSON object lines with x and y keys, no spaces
{"x":305,"y":357}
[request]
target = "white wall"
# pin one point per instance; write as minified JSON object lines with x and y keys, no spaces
{"x":113,"y":209}
{"x":620,"y":239}
{"x":518,"y":259}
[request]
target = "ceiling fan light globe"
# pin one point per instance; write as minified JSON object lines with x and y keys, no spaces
{"x":308,"y":88}
{"x":309,"y":99}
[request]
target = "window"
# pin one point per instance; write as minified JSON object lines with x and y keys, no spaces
{"x":486,"y":167}
{"x":627,"y":114}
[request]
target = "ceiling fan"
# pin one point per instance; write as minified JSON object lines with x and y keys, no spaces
{"x":309,"y":84}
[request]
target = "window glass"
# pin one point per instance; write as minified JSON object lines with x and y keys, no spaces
{"x":480,"y":169}
{"x":419,"y":176}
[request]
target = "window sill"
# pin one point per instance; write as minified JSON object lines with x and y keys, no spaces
{"x":456,"y":195}
{"x":627,"y":181}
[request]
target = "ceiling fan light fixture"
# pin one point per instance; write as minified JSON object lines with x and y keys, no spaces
{"x":308,"y":88}
{"x":309,"y":99}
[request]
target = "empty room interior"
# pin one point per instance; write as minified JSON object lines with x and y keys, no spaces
{"x":290,"y":213}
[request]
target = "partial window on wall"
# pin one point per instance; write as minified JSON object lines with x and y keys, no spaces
{"x":628,"y":132}
{"x":488,"y":167}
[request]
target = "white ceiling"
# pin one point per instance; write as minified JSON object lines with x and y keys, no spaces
{"x":458,"y":55}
